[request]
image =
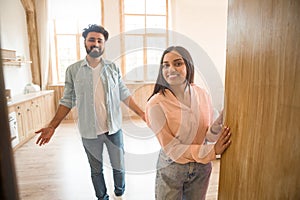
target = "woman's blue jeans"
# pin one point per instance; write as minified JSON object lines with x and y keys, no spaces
{"x":176,"y":181}
{"x":94,"y":151}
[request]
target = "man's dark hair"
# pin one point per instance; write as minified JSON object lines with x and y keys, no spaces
{"x":95,"y":28}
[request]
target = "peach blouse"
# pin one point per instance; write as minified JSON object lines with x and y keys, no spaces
{"x":182,"y":131}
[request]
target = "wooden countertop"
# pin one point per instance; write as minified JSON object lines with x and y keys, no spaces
{"x":25,"y":97}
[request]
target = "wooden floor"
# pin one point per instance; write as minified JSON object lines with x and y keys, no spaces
{"x":60,"y":170}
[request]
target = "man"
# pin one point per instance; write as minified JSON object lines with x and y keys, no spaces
{"x":95,"y":86}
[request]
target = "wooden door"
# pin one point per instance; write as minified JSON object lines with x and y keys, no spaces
{"x":8,"y":180}
{"x":262,"y":101}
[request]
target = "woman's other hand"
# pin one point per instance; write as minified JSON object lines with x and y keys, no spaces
{"x":223,"y":142}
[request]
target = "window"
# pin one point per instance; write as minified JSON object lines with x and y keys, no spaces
{"x":145,"y":26}
{"x":68,"y":19}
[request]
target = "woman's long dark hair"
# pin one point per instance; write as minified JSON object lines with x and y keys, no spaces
{"x":161,"y":84}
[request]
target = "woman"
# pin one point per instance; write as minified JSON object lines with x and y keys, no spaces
{"x":180,"y":114}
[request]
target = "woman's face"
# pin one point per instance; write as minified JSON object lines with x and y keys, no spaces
{"x":174,"y":69}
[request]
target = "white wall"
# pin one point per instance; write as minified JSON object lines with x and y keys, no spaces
{"x":203,"y":25}
{"x":205,"y":22}
{"x":112,"y":25}
{"x":13,"y":29}
{"x":112,"y":17}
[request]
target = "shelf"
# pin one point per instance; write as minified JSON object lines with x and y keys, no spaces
{"x":10,"y":58}
{"x":15,"y":62}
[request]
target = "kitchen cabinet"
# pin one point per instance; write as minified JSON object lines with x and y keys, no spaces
{"x":33,"y":111}
{"x":58,"y":94}
{"x":23,"y":120}
{"x":49,"y":108}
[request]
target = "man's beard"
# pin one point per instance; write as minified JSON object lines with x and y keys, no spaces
{"x":94,"y":53}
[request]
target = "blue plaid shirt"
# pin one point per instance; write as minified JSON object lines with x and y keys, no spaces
{"x":79,"y":91}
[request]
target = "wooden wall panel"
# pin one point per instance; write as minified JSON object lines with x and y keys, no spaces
{"x":262,"y":101}
{"x":140,"y":93}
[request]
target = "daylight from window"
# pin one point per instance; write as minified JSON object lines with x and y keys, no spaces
{"x":145,"y":27}
{"x":67,"y":25}
{"x":144,"y":23}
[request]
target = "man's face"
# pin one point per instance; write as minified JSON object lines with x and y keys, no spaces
{"x":94,"y":44}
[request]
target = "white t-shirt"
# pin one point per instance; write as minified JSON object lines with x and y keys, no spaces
{"x":99,"y":100}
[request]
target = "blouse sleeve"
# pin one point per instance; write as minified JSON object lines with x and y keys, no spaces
{"x":181,"y":153}
{"x":215,"y":129}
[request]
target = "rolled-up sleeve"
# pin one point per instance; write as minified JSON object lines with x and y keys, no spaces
{"x":215,"y":129}
{"x":69,"y":96}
